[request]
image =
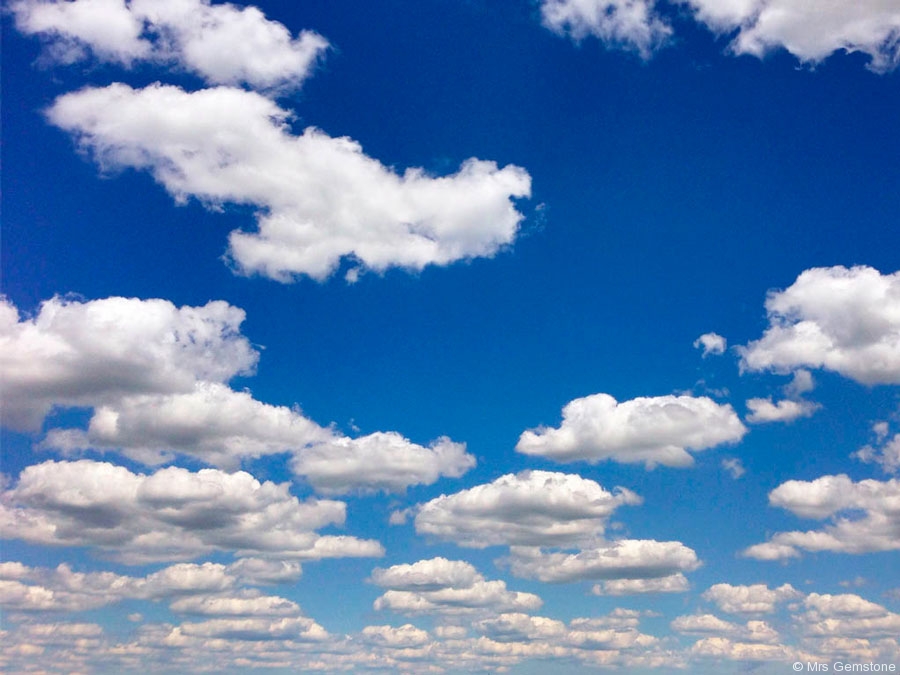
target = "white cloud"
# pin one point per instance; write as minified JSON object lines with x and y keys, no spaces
{"x":802,"y":383}
{"x":212,"y":423}
{"x":734,"y":466}
{"x":756,"y":598}
{"x":711,"y":343}
{"x":652,"y":430}
{"x":735,"y":650}
{"x":75,"y":353}
{"x":623,"y":559}
{"x":847,"y":616}
{"x":864,"y":517}
{"x":518,"y":627}
{"x":839,"y":319}
{"x":885,"y":452}
{"x":441,"y":586}
{"x":532,"y":508}
{"x":245,"y":603}
{"x":811,"y":32}
{"x":630,"y":24}
{"x":674,"y":583}
{"x":252,"y":629}
{"x":222,"y":43}
{"x":398,"y":637}
{"x":379,"y":461}
{"x":319,"y":199}
{"x":763,"y":410}
{"x":172,"y":514}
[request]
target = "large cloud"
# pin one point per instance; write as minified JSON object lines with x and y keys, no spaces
{"x":809,"y":31}
{"x":840,"y":319}
{"x":76,"y":353}
{"x":441,"y":586}
{"x":319,"y":198}
{"x":864,"y":517}
{"x":753,"y":599}
{"x":532,"y":508}
{"x":623,"y":559}
{"x":172,"y":514}
{"x":221,"y":43}
{"x":652,"y":430}
{"x":155,"y":375}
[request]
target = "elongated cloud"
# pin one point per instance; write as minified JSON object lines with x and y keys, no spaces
{"x":319,"y":198}
{"x":222,"y":43}
{"x":764,"y":410}
{"x":830,"y":498}
{"x":652,"y":430}
{"x":809,"y":31}
{"x":172,"y":514}
{"x":76,"y":353}
{"x":532,"y":508}
{"x":839,"y":319}
{"x":441,"y":586}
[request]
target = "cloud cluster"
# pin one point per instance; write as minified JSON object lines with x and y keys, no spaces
{"x":652,"y":430}
{"x":172,"y":514}
{"x":885,"y":451}
{"x":753,"y":599}
{"x":155,"y":376}
{"x":441,"y":586}
{"x":319,"y":198}
{"x":863,"y":517}
{"x":221,"y":43}
{"x":811,"y":32}
{"x":839,"y":319}
{"x":74,"y":353}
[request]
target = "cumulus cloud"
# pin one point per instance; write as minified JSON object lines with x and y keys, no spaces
{"x":319,"y":198}
{"x":847,"y":616}
{"x":623,"y":559}
{"x":734,"y":466}
{"x":221,"y":43}
{"x":155,"y":376}
{"x":809,"y":32}
{"x":711,"y":343}
{"x":753,"y":599}
{"x":172,"y":514}
{"x":885,"y":451}
{"x":763,"y":410}
{"x":629,"y":24}
{"x":74,"y":353}
{"x":531,"y":508}
{"x":863,"y":517}
{"x":839,"y":319}
{"x":381,"y":461}
{"x":441,"y":586}
{"x":674,"y":583}
{"x":652,"y":430}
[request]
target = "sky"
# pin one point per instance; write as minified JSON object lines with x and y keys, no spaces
{"x":527,"y":336}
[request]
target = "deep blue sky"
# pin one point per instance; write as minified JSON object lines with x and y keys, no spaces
{"x":669,"y":195}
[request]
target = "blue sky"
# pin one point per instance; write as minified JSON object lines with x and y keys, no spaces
{"x":449,"y":336}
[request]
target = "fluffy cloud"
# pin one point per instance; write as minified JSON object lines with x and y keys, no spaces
{"x":212,"y":423}
{"x":847,"y":616}
{"x":532,"y":508}
{"x":674,"y":583}
{"x":809,"y":32}
{"x":221,"y":43}
{"x":764,"y":410}
{"x":840,"y":319}
{"x":885,"y":451}
{"x":652,"y":430}
{"x":441,"y":586}
{"x":711,"y":343}
{"x":75,"y":353}
{"x":172,"y":514}
{"x":757,"y":598}
{"x":623,"y":559}
{"x":320,"y":199}
{"x":379,"y":461}
{"x":631,"y":24}
{"x":864,"y":517}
